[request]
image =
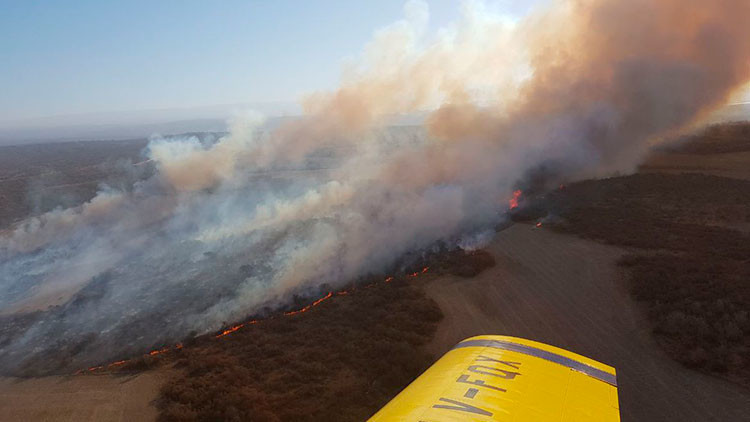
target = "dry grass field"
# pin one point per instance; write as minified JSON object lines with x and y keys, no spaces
{"x":690,"y":258}
{"x":341,"y":360}
{"x":336,"y":362}
{"x":39,"y":177}
{"x":720,"y":150}
{"x":646,"y":272}
{"x":689,"y":261}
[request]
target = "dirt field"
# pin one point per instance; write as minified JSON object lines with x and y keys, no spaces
{"x":568,"y":292}
{"x":102,"y":398}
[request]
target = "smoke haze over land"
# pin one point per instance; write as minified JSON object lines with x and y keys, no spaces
{"x":229,"y":226}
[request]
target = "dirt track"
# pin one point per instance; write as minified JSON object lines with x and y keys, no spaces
{"x":568,"y":292}
{"x":80,"y":398}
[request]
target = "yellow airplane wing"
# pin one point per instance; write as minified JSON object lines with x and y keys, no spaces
{"x":499,"y":378}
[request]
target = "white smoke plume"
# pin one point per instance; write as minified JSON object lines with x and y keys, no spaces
{"x":227,"y":228}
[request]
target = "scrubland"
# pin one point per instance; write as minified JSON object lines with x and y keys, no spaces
{"x":689,"y":240}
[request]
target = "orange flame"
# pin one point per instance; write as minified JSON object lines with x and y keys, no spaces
{"x":416,"y":273}
{"x":234,"y":328}
{"x":308,"y":307}
{"x":513,"y":202}
{"x":228,"y":330}
{"x":317,"y":302}
{"x":158,"y":352}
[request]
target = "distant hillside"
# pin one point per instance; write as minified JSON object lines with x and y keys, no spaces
{"x":37,"y":178}
{"x":21,"y":136}
{"x":731,"y":113}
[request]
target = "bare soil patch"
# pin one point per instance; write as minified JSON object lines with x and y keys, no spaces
{"x":105,"y":398}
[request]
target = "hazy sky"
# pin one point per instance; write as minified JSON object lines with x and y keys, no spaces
{"x":69,"y":57}
{"x":89,"y":56}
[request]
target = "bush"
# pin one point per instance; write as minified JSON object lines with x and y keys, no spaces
{"x":340,"y":361}
{"x":690,"y":267}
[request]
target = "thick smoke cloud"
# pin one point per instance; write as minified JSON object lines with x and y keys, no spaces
{"x":227,"y":228}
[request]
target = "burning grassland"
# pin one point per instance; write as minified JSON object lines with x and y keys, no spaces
{"x":339,"y":357}
{"x":100,"y":352}
{"x":339,"y":362}
{"x":271,"y":218}
{"x":456,"y":262}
